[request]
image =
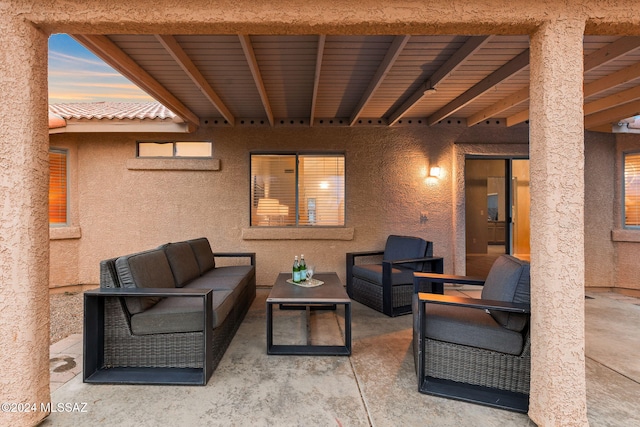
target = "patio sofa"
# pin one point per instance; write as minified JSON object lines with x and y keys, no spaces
{"x":166,"y":315}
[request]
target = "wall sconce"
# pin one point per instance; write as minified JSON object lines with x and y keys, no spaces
{"x":434,"y":172}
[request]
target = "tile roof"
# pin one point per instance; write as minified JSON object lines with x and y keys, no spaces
{"x":111,"y":110}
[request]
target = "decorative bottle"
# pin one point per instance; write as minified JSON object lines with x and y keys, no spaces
{"x":303,"y":268}
{"x":296,"y":270}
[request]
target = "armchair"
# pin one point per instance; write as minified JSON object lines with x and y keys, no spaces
{"x":388,"y":286}
{"x":476,"y":350}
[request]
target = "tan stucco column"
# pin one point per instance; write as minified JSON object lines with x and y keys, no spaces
{"x":558,"y":393}
{"x":24,"y":228}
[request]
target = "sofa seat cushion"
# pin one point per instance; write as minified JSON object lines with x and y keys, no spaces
{"x":509,"y":280}
{"x":202,"y":250}
{"x":232,"y":270}
{"x":148,"y":269}
{"x":373,"y":273}
{"x":183,"y":262}
{"x":471,"y":327}
{"x":183,"y":314}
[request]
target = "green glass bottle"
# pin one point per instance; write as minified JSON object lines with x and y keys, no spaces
{"x":296,"y":270}
{"x":303,"y":269}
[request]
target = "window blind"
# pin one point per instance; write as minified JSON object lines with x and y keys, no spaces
{"x":291,"y":189}
{"x":57,"y":187}
{"x":632,"y":190}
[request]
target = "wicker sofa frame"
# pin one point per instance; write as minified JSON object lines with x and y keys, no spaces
{"x":115,"y":355}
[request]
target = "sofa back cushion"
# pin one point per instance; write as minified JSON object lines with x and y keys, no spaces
{"x":509,"y":280}
{"x":148,"y":269}
{"x":183,"y":262}
{"x":405,"y":247}
{"x":204,"y":255}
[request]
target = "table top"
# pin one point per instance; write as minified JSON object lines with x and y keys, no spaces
{"x":330,"y":292}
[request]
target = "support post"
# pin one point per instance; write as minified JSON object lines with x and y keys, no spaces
{"x":558,"y":386}
{"x":24,"y":224}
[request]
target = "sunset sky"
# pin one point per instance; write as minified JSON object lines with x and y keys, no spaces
{"x":77,"y":75}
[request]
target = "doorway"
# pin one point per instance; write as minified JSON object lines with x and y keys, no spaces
{"x":497,"y":203}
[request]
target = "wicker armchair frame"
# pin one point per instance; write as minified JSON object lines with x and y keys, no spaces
{"x":468,"y":373}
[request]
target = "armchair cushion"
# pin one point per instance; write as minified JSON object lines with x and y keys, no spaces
{"x":405,"y":247}
{"x":471,"y":327}
{"x":373,"y":273}
{"x":509,"y":281}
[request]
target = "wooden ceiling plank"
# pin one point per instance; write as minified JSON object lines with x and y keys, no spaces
{"x":520,"y":117}
{"x":322,"y":39}
{"x":180,"y":56}
{"x":611,"y":51}
{"x":612,"y":115}
{"x":500,"y":106}
{"x":507,"y":70}
{"x":600,"y":57}
{"x":472,"y":45}
{"x":398,"y":44}
{"x":247,"y":47}
{"x":612,"y":100}
{"x":110,"y":53}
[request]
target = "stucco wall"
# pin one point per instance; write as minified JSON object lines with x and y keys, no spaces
{"x":122,"y":210}
{"x":115,"y":210}
{"x":626,"y":242}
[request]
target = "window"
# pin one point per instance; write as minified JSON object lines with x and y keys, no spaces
{"x":297,"y":190}
{"x":57,"y":187}
{"x":632,"y":190}
{"x":175,"y":149}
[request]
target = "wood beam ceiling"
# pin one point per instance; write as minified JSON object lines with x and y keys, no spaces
{"x":471,"y":46}
{"x":501,"y":74}
{"x":322,"y":39}
{"x":399,"y":42}
{"x":247,"y":47}
{"x":183,"y":60}
{"x":120,"y":61}
{"x":600,"y":57}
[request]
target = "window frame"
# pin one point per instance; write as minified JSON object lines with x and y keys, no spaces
{"x":65,"y":152}
{"x":297,"y":155}
{"x":174,"y":150}
{"x":624,"y":190}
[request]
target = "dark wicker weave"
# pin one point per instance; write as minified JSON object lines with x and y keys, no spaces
{"x":379,"y":293}
{"x":168,"y":350}
{"x":450,"y":363}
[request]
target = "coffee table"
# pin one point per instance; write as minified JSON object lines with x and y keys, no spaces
{"x":331,"y":294}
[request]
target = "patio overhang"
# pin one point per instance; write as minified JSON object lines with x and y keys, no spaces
{"x":360,"y":80}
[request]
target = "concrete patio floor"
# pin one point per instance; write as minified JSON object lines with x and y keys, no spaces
{"x":376,"y":386}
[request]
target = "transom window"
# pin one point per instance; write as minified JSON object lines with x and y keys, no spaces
{"x":297,"y":190}
{"x":57,"y":187}
{"x":632,"y":190}
{"x":189,"y":149}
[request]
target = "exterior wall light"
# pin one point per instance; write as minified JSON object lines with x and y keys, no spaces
{"x":434,"y":172}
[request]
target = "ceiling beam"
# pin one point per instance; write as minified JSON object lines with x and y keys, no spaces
{"x":500,"y":106}
{"x":600,"y":57}
{"x":399,"y":42}
{"x":316,"y":78}
{"x":501,"y":74}
{"x":110,"y":53}
{"x":247,"y":47}
{"x":472,"y":45}
{"x":612,"y":100}
{"x":608,"y":53}
{"x":180,"y":56}
{"x":612,"y":115}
